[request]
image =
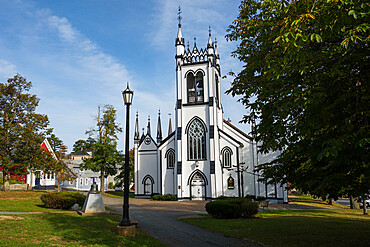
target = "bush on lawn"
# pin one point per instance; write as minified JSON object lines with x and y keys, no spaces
{"x":232,"y":208}
{"x":110,"y":185}
{"x":167,"y":197}
{"x":62,"y":200}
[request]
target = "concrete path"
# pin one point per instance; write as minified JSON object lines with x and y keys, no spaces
{"x":159,"y":220}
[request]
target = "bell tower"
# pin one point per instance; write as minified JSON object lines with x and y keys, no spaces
{"x":198,"y":113}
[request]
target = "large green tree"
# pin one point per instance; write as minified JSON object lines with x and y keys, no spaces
{"x":84,"y":144}
{"x":105,"y":155}
{"x":21,"y":129}
{"x":306,"y":82}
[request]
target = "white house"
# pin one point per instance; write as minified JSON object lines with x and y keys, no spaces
{"x":205,"y":156}
{"x":39,"y":177}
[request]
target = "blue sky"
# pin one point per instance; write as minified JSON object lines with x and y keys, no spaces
{"x":80,"y":54}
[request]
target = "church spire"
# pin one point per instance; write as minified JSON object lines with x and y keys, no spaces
{"x":210,"y":46}
{"x":159,"y":128}
{"x":180,"y":43}
{"x":216,"y":53}
{"x":136,"y":136}
{"x":169,"y":125}
{"x":148,"y":127}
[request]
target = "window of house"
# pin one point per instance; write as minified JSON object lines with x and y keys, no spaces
{"x":170,"y":158}
{"x":226,"y":157}
{"x":81,"y":181}
{"x":196,"y":141}
{"x":70,"y":182}
{"x":48,"y":175}
{"x":86,"y":181}
{"x":195,"y":88}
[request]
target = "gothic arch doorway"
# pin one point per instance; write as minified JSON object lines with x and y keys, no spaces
{"x":148,"y":182}
{"x":198,"y":187}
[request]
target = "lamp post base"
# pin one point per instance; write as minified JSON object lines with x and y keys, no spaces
{"x":126,"y":230}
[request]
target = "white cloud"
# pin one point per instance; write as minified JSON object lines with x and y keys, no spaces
{"x":7,"y":70}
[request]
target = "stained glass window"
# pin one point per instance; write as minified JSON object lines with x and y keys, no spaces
{"x":226,"y":157}
{"x":196,"y":141}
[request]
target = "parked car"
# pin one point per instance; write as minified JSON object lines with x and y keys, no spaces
{"x":361,"y":203}
{"x":118,"y":188}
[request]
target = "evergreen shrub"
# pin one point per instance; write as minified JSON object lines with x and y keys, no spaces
{"x":232,"y":208}
{"x":110,"y":185}
{"x":167,"y":197}
{"x":62,"y":200}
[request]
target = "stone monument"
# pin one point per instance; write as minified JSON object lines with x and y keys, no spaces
{"x":94,"y":202}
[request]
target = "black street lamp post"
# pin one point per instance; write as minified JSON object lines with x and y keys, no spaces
{"x":127,"y":98}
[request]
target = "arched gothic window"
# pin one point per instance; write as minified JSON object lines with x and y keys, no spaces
{"x":170,"y":155}
{"x":226,"y":157}
{"x":196,"y":141}
{"x":195,"y":87}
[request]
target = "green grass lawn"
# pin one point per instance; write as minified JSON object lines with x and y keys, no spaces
{"x":22,"y":201}
{"x":117,"y":194}
{"x":52,"y":228}
{"x":316,"y":227}
{"x":67,"y":229}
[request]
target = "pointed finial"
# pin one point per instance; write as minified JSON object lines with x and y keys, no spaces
{"x":195,"y":41}
{"x":148,"y":127}
{"x":209,"y":30}
{"x":215,"y":41}
{"x":136,"y":137}
{"x":179,"y":16}
{"x":169,"y":124}
{"x":159,"y":111}
{"x":188,"y":45}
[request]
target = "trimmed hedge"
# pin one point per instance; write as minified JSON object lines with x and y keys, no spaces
{"x":62,"y":200}
{"x":167,"y":197}
{"x":232,"y":208}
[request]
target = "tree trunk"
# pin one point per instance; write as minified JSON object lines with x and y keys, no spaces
{"x":31,"y":181}
{"x":58,"y":185}
{"x":354,"y":203}
{"x":102,"y":180}
{"x":364,"y":204}
{"x":6,"y":177}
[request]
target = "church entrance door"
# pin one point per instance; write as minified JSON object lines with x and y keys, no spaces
{"x":198,"y":188}
{"x":148,"y":186}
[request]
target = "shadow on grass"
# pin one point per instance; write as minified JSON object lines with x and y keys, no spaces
{"x":281,"y":229}
{"x":94,"y":230}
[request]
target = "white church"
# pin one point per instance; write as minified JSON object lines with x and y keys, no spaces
{"x":205,"y":156}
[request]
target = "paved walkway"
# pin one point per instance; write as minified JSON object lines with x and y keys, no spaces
{"x":159,"y":220}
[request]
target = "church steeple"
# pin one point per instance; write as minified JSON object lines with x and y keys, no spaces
{"x":217,"y":56}
{"x":180,"y":42}
{"x":137,"y":135}
{"x":159,"y":128}
{"x":148,"y":127}
{"x":210,"y":44}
